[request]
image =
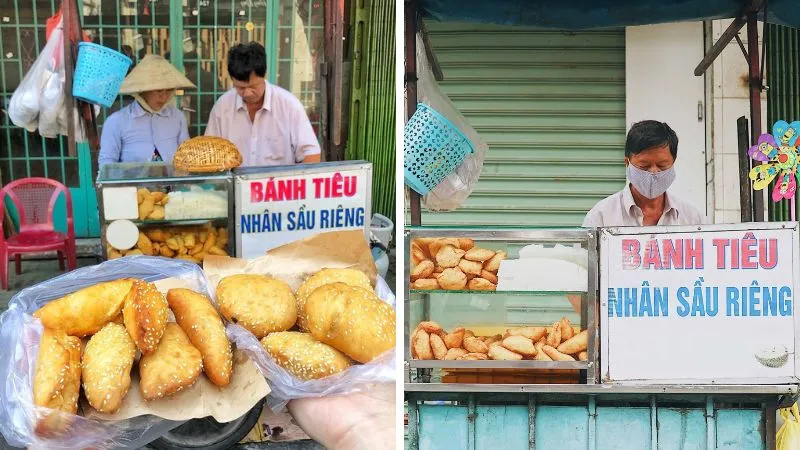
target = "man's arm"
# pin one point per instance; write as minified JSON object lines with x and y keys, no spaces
{"x":592,"y":219}
{"x":214,"y":125}
{"x":304,"y":139}
{"x":110,"y":142}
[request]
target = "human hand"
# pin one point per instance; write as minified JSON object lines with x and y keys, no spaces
{"x":363,"y":420}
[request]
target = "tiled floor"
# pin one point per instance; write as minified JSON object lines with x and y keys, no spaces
{"x":33,"y":272}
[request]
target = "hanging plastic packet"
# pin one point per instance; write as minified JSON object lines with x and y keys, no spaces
{"x":459,"y":184}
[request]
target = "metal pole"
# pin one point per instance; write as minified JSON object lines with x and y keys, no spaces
{"x":411,"y":91}
{"x":755,"y":100}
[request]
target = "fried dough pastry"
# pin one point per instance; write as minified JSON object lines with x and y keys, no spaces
{"x":145,"y":314}
{"x":106,"y":364}
{"x":57,"y":382}
{"x":175,"y":365}
{"x":303,"y":356}
{"x":86,"y":311}
{"x":201,"y":323}
{"x":259,"y":303}
{"x":351,"y":277}
{"x":352,"y":320}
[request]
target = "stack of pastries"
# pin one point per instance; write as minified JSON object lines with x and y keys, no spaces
{"x":560,"y":342}
{"x":334,"y":320}
{"x":453,"y":264}
{"x":91,"y":339}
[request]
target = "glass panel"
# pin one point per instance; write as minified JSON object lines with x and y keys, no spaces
{"x":5,"y":170}
{"x":19,"y":168}
{"x":35,"y":145}
{"x":71,"y":172}
{"x":150,"y":172}
{"x":52,"y":148}
{"x":301,"y":39}
{"x":54,"y":170}
{"x":37,"y":168}
{"x":17,"y":142}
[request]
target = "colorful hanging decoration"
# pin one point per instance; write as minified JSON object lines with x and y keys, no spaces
{"x":779,"y":151}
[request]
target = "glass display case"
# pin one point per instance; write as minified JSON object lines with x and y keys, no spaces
{"x":501,"y":306}
{"x":176,"y":215}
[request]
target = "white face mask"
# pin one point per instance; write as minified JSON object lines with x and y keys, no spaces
{"x":650,"y":184}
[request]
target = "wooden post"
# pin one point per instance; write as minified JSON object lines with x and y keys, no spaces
{"x":411,"y":92}
{"x":745,"y":191}
{"x":755,"y":101}
{"x":69,"y":69}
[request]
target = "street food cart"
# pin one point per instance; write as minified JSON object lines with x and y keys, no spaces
{"x":695,"y":329}
{"x":255,"y":209}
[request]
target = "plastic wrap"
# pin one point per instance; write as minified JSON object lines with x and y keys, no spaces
{"x":788,"y":437}
{"x":25,"y":104}
{"x":20,"y":333}
{"x":286,"y":387}
{"x":458,"y":185}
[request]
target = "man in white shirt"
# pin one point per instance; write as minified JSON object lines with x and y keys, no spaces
{"x":651,"y":148}
{"x":267,"y":123}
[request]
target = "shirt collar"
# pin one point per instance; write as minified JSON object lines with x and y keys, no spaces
{"x":137,"y":110}
{"x":267,"y":105}
{"x":629,"y":203}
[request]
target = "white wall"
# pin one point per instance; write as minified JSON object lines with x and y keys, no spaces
{"x":660,"y":85}
{"x":730,"y":96}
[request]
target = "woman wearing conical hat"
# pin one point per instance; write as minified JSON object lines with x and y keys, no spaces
{"x":150,"y":128}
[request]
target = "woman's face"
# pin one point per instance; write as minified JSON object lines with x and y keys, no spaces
{"x":157,"y":99}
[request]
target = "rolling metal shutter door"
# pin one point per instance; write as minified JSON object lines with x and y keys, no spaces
{"x":551,"y":106}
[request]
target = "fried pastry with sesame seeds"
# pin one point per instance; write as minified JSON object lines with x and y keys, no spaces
{"x":200,"y":321}
{"x":107,"y":361}
{"x":259,"y":303}
{"x":352,"y":277}
{"x":175,"y":365}
{"x":57,"y":382}
{"x":303,"y":356}
{"x":352,"y":320}
{"x":86,"y":311}
{"x":145,"y":315}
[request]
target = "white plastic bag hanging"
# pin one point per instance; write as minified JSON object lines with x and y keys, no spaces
{"x":25,"y":105}
{"x":459,"y":184}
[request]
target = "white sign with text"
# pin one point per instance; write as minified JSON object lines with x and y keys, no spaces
{"x":717,"y":305}
{"x":275,"y":209}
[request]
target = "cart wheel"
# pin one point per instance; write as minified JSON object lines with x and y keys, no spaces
{"x":207,"y":433}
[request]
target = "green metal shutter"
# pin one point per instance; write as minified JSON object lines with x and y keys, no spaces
{"x":551,"y":106}
{"x":783,"y":96}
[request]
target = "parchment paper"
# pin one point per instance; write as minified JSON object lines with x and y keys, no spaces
{"x":203,"y":399}
{"x":296,"y":261}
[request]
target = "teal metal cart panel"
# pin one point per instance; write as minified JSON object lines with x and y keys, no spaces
{"x":682,"y":429}
{"x":623,"y":428}
{"x":559,"y":427}
{"x":740,"y":430}
{"x":503,"y":426}
{"x":443,"y":427}
{"x":556,"y":425}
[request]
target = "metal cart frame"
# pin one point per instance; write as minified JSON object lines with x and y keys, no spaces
{"x":587,"y":237}
{"x":174,"y":180}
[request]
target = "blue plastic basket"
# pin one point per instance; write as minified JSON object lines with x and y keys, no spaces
{"x":433,"y":147}
{"x":99,"y":73}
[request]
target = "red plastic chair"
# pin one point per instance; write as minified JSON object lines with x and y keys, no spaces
{"x":34,"y":199}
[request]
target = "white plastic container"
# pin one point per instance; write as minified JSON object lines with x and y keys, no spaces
{"x":382,"y":229}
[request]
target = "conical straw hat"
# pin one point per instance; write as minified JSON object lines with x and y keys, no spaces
{"x":154,"y":73}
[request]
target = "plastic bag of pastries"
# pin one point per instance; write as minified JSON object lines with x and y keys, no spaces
{"x":22,"y":423}
{"x":285,"y":386}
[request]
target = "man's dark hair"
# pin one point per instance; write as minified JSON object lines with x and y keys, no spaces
{"x":649,"y":134}
{"x":244,"y":59}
